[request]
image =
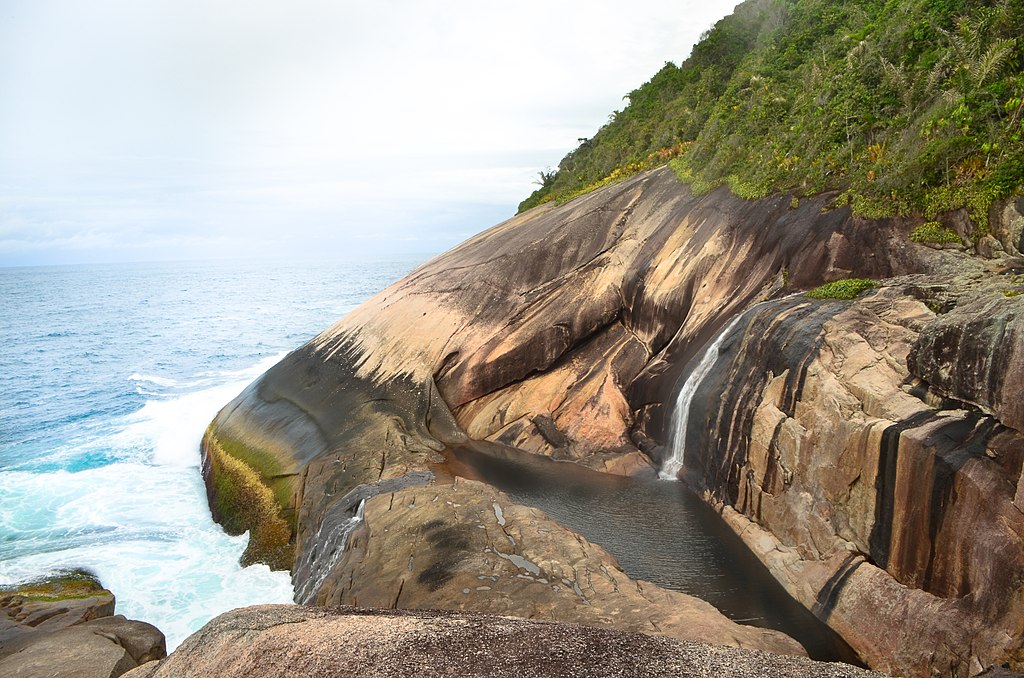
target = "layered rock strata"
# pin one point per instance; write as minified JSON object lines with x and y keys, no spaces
{"x":567,"y":331}
{"x":829,"y":439}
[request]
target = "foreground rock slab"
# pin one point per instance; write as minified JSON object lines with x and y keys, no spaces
{"x":282,"y":640}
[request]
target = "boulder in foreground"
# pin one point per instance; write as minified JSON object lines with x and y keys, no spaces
{"x":285,"y":640}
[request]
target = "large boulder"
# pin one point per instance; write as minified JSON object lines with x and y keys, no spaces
{"x":277,"y":641}
{"x":887,"y":499}
{"x":559,"y":331}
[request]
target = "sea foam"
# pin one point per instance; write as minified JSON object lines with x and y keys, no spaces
{"x":140,"y":523}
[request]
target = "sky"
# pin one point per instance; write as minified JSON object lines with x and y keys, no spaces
{"x":142,"y":130}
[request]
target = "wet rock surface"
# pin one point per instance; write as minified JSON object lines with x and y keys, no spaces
{"x":279,"y":641}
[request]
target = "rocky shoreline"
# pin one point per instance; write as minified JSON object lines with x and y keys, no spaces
{"x":65,"y":626}
{"x":869,"y":452}
{"x":564,"y":332}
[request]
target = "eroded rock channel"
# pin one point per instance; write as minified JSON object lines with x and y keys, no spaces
{"x":659,"y":532}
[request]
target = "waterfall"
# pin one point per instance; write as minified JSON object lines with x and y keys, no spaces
{"x":671,"y":466}
{"x":335,"y":540}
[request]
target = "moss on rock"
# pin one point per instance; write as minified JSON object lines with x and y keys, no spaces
{"x":69,"y":585}
{"x":842,"y":289}
{"x":245,"y":495}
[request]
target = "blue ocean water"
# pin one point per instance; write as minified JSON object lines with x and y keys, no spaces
{"x":108,"y":377}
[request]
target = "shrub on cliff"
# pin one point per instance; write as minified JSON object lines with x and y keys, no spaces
{"x":934,"y":233}
{"x":905,"y":106}
{"x":842,"y":289}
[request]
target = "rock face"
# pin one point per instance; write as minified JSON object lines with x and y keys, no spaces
{"x":975,"y":353}
{"x":538,"y":332}
{"x":283,"y":641}
{"x":63,"y":628}
{"x":884,"y":507}
{"x":51,"y":604}
{"x":567,"y":331}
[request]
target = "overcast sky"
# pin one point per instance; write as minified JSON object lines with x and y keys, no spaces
{"x":135,"y":130}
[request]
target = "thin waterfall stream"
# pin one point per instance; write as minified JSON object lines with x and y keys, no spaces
{"x":674,"y":463}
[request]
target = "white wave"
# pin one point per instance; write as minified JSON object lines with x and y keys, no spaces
{"x":169,"y":431}
{"x":141,"y":524}
{"x":159,"y":381}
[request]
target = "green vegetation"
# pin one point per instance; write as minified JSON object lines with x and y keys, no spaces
{"x":842,"y":289}
{"x":620,"y":173}
{"x":244,"y":496}
{"x":69,"y":585}
{"x":932,"y":232}
{"x":904,"y":106}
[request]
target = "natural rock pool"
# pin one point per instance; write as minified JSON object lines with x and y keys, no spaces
{"x":659,"y":531}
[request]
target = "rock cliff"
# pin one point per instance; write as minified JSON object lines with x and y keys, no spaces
{"x":883,"y":504}
{"x":875,"y":491}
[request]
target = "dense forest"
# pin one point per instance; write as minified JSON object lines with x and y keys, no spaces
{"x":905,"y":107}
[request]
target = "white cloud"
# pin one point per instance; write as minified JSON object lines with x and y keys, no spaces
{"x":175,"y":122}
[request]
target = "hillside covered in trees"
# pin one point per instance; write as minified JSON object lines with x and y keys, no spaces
{"x":906,"y":107}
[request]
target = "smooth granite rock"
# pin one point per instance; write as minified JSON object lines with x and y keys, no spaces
{"x":888,"y":504}
{"x":283,"y":641}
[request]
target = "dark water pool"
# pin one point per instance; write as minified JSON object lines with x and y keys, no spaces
{"x":659,"y":531}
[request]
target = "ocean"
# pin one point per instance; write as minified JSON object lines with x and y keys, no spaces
{"x":109,"y":375}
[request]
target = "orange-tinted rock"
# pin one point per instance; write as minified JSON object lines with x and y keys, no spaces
{"x":566,"y":331}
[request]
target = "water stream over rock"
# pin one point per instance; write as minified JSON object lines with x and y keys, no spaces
{"x":672,"y":465}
